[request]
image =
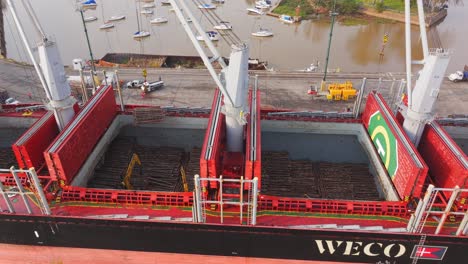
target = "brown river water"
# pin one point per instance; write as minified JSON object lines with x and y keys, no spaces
{"x":354,"y":48}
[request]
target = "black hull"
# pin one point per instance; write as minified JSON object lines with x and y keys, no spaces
{"x":220,"y":240}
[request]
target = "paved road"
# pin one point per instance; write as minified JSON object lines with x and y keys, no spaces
{"x":286,"y":90}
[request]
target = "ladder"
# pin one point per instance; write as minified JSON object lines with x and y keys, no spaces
{"x":200,"y":202}
{"x":422,"y":240}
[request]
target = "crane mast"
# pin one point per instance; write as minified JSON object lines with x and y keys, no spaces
{"x":233,"y":80}
{"x":50,"y":68}
{"x":421,"y":99}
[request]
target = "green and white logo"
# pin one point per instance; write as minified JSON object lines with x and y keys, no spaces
{"x":384,"y":142}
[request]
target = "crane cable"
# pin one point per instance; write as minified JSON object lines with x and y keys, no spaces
{"x":214,"y":19}
{"x":141,"y":41}
{"x":22,"y":58}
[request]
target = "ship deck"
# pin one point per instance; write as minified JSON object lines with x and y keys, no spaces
{"x":281,"y":219}
{"x":296,"y":163}
{"x":320,"y":160}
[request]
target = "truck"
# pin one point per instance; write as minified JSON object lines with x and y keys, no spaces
{"x":459,"y":75}
{"x":148,"y":87}
{"x":134,"y":84}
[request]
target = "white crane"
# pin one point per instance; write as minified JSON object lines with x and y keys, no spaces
{"x":49,"y":69}
{"x":233,"y":82}
{"x":422,"y":98}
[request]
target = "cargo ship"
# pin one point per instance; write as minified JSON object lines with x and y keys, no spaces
{"x":106,"y":182}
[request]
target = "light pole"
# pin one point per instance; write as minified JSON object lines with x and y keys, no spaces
{"x":87,"y":39}
{"x":333,"y":14}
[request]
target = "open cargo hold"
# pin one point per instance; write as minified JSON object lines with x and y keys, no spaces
{"x":163,"y":147}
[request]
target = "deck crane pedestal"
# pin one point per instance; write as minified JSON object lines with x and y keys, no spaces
{"x":50,"y":68}
{"x":421,"y":99}
{"x":233,"y":80}
{"x":225,"y":151}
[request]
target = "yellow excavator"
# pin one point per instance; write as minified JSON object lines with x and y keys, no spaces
{"x":126,"y":181}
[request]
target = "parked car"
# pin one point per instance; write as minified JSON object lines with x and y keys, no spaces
{"x":458,"y":76}
{"x":11,"y":101}
{"x":134,"y":84}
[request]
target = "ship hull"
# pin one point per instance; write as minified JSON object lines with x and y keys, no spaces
{"x":212,"y":241}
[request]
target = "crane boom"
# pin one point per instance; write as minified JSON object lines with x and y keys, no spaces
{"x":233,"y":82}
{"x":49,"y":69}
{"x":197,"y":45}
{"x":422,"y":98}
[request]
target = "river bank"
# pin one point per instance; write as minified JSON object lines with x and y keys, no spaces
{"x":308,"y":9}
{"x":430,"y":20}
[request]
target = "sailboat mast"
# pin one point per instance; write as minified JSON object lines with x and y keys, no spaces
{"x":137,"y":17}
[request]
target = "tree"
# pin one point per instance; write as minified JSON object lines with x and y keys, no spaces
{"x":348,"y":6}
{"x":380,"y":6}
{"x":342,"y":6}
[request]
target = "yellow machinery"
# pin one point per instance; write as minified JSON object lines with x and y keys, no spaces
{"x":184,"y":178}
{"x":341,"y":91}
{"x":126,"y":181}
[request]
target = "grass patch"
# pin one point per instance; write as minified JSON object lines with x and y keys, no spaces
{"x":288,"y":7}
{"x":394,"y":5}
{"x":353,"y":21}
{"x":379,"y":20}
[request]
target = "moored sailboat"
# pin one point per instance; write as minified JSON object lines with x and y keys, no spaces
{"x":139,"y":34}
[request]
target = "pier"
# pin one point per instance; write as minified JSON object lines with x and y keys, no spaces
{"x":195,"y":88}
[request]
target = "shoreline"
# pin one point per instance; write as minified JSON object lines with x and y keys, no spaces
{"x":430,"y":19}
{"x":370,"y":13}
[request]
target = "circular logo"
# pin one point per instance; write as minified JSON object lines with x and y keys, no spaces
{"x":384,"y":141}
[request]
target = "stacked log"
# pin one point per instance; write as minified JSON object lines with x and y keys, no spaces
{"x":148,"y":115}
{"x":276,"y":173}
{"x":307,"y":179}
{"x":192,"y":166}
{"x":335,"y":182}
{"x":109,"y":174}
{"x":160,"y":169}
